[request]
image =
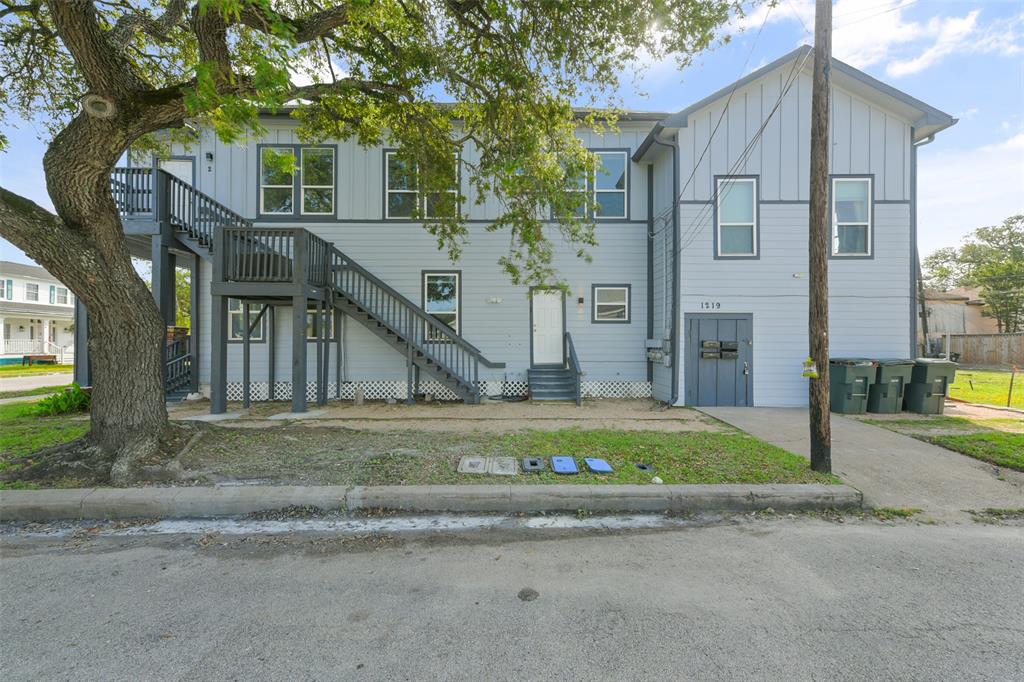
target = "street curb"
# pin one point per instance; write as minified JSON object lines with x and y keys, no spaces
{"x":200,"y":502}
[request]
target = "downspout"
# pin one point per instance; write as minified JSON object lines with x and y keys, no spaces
{"x":673,"y":145}
{"x":918,"y":309}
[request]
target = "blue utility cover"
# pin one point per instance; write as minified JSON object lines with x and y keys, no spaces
{"x":564,"y":465}
{"x":598,"y":465}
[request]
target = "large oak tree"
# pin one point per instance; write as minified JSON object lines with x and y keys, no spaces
{"x":103,"y":76}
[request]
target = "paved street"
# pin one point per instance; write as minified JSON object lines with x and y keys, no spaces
{"x":774,"y":599}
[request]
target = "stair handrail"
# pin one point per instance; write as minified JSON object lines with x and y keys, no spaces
{"x":572,"y":362}
{"x":449,"y":334}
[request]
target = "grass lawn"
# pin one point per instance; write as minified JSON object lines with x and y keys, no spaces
{"x":331,"y":456}
{"x":24,"y":371}
{"x":23,"y":432}
{"x":988,"y":387}
{"x":1001,"y":449}
{"x":40,"y":390}
{"x":998,"y":441}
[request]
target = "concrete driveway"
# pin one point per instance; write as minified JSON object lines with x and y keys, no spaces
{"x":890,"y":469}
{"x":31,"y":381}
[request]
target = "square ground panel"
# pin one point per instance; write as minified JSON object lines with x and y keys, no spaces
{"x":502,"y":466}
{"x":473,"y":465}
{"x":534,"y":464}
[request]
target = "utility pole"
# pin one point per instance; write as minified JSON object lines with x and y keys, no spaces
{"x":820,"y":237}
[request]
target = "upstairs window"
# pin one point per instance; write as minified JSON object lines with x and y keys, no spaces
{"x":851,"y":216}
{"x":31,"y":291}
{"x":403,"y":198}
{"x":7,"y":291}
{"x":317,"y":180}
{"x":736,"y":223}
{"x":611,"y":303}
{"x":277,"y":182}
{"x":62,"y":296}
{"x":442,"y":300}
{"x":610,"y":185}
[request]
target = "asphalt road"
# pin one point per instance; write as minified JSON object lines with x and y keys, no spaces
{"x":783,"y":599}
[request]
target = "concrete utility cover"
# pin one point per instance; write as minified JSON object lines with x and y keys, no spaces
{"x":502,"y":466}
{"x":473,"y":465}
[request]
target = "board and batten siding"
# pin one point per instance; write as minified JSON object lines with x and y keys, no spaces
{"x":865,"y":140}
{"x":664,"y":196}
{"x":868,"y":298}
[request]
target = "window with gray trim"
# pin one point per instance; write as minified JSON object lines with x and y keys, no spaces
{"x":277,"y":181}
{"x":851,"y":216}
{"x":403,"y":199}
{"x":7,"y":291}
{"x":442,"y":300}
{"x":611,"y":303}
{"x":736,"y":217}
{"x":236,"y":321}
{"x":610,"y":180}
{"x":316,"y":174}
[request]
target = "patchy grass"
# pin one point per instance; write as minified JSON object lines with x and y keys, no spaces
{"x":1001,"y":449}
{"x":988,"y":387}
{"x":29,"y":392}
{"x":24,"y":371}
{"x":996,"y":515}
{"x":23,"y":431}
{"x":317,"y":455}
{"x":892,"y":513}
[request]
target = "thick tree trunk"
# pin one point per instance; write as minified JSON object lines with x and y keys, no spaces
{"x":85,"y":248}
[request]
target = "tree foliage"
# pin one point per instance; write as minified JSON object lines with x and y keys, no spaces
{"x":991,"y":258}
{"x":368,"y":70}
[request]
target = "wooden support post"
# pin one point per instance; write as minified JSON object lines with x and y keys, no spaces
{"x":338,"y":329}
{"x":219,"y":355}
{"x":299,"y":353}
{"x":409,"y":400}
{"x":819,"y":241}
{"x":194,"y":323}
{"x":83,"y":367}
{"x":246,"y":357}
{"x":271,"y":353}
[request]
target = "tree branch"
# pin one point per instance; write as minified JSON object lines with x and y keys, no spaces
{"x":158,"y":29}
{"x":308,"y":28}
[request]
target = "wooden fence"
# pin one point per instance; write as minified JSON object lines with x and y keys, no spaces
{"x":988,"y":350}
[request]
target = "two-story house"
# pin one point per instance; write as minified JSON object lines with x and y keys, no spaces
{"x":696,"y":293}
{"x":36,"y":314}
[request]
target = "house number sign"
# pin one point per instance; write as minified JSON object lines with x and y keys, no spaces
{"x":710,"y":305}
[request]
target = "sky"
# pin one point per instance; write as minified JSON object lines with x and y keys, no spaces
{"x":965,"y":58}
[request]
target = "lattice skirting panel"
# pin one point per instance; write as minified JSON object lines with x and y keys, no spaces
{"x":382,"y":390}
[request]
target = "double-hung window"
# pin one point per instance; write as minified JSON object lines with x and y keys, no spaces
{"x":236,"y":321}
{"x":442,"y":299}
{"x":610,"y":185}
{"x":62,"y":296}
{"x":403,"y":198}
{"x":313,"y":325}
{"x":851,"y":216}
{"x":317,"y":174}
{"x":31,"y":291}
{"x":277,"y":180}
{"x":611,"y":303}
{"x":736,"y":217}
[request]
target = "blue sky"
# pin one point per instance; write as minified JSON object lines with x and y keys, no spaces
{"x":965,"y":58}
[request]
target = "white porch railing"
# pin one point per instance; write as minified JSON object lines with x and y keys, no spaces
{"x":64,"y":354}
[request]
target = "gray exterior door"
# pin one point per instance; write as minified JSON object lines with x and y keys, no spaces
{"x":719,"y":360}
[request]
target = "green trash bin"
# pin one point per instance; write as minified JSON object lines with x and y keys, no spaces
{"x":929,"y":382}
{"x":849,"y":379}
{"x":891,"y":378}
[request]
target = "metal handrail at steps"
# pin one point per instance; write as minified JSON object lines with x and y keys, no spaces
{"x":177,"y":364}
{"x":572,"y":362}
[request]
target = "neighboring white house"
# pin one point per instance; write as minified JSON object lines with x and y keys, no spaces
{"x":36,"y":314}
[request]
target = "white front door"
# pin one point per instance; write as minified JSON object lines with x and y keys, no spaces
{"x":179,"y":168}
{"x":548,"y":327}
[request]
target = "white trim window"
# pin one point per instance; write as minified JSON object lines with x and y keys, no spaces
{"x":610,"y":185}
{"x":277,"y":185}
{"x":851,"y":217}
{"x":611,"y":303}
{"x":736,"y":213}
{"x":317,"y":180}
{"x":313,"y":328}
{"x":442,"y":298}
{"x":403,"y":200}
{"x":236,"y":321}
{"x":62,"y":296}
{"x":31,"y":291}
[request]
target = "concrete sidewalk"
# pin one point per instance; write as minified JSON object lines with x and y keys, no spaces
{"x":201,"y":502}
{"x":890,"y":469}
{"x":27,"y":383}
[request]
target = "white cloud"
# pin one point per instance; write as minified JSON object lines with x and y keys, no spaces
{"x":963,"y":190}
{"x":969,"y":114}
{"x":869,"y":34}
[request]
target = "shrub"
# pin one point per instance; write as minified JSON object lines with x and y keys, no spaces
{"x":68,"y":401}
